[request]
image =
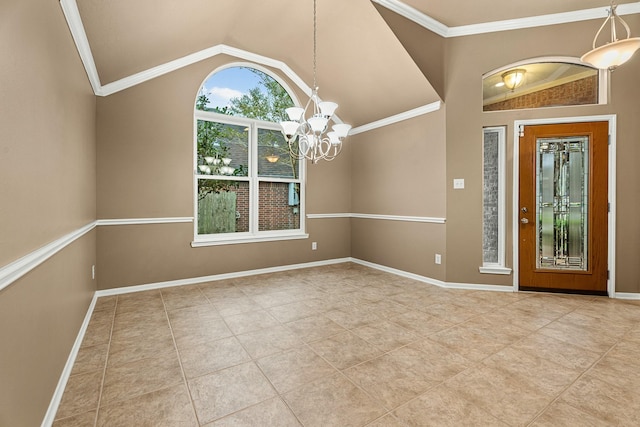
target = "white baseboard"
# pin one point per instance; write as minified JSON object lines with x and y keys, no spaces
{"x":216,"y":277}
{"x":66,"y":372}
{"x":440,"y":283}
{"x":627,"y":296}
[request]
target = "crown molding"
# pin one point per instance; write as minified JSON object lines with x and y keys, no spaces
{"x":425,"y":109}
{"x":510,"y":24}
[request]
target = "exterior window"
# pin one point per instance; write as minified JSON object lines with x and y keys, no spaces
{"x":248,"y":188}
{"x":493,"y":201}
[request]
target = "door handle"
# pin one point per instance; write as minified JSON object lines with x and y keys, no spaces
{"x":524,"y":220}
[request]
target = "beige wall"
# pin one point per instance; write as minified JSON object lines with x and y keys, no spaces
{"x":47,"y":189}
{"x":467,"y":59}
{"x":145,"y":170}
{"x":400,"y":170}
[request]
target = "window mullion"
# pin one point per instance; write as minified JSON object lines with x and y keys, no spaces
{"x":253,"y":174}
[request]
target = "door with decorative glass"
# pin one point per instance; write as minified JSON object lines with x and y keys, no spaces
{"x":563,"y":207}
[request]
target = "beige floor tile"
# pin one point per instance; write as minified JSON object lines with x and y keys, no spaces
{"x":293,"y":311}
{"x":542,"y":374}
{"x":314,"y":328}
{"x":293,"y":368}
{"x":433,"y":356}
{"x":272,"y":412}
{"x":345,"y":350}
{"x":90,"y":359}
{"x":560,"y":352}
{"x":504,"y":396}
{"x":190,"y":333}
{"x":107,"y":303}
{"x":353,"y":316}
{"x":421,"y":323}
{"x":86,"y":419}
{"x":81,"y":394}
{"x":442,"y":407}
{"x":212,"y":356}
{"x":387,"y":421}
{"x":393,"y":378}
{"x":440,"y":362}
{"x":562,"y":415}
{"x":472,"y":344}
{"x":615,"y":405}
{"x":183,"y":296}
{"x":269,"y":341}
{"x":225,"y":392}
{"x":251,"y":321}
{"x":574,"y":334}
{"x":385,"y":335}
{"x":136,"y":347}
{"x":332,"y":401}
{"x":169,"y":407}
{"x":233,"y":306}
{"x":452,"y":312}
{"x":141,"y":376}
{"x":99,"y":329}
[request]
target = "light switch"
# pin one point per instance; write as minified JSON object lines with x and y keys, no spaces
{"x":458,"y":183}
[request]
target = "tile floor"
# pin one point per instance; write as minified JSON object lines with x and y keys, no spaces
{"x":346,"y":345}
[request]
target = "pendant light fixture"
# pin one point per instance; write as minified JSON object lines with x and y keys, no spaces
{"x":616,"y":52}
{"x":308,"y":137}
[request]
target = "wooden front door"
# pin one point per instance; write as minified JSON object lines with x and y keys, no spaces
{"x":564,"y":207}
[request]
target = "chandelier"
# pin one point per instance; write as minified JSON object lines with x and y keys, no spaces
{"x":616,"y":52}
{"x":310,"y":138}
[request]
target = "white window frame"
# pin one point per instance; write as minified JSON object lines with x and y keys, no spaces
{"x":498,"y":267}
{"x":253,"y":235}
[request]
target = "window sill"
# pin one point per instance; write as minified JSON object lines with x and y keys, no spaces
{"x":494,"y":269}
{"x":247,"y":239}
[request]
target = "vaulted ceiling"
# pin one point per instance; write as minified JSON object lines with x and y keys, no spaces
{"x":361,"y":61}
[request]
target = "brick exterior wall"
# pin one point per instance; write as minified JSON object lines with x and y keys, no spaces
{"x":579,"y":92}
{"x":275,"y":212}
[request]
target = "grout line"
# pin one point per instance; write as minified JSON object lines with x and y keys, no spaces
{"x":106,"y":363}
{"x":175,"y":347}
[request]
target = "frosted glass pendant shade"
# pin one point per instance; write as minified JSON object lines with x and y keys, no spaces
{"x":612,"y":54}
{"x":342,"y":130}
{"x":327,"y":108}
{"x":294,"y":113}
{"x":317,"y":123}
{"x":289,"y":128}
{"x":333,"y":138}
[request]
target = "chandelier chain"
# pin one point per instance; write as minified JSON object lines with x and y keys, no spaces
{"x":315,"y":30}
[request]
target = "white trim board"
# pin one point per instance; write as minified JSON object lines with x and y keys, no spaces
{"x":439,"y":28}
{"x":428,"y":219}
{"x":611,"y":255}
{"x":12,"y":272}
{"x":425,"y":109}
{"x":138,"y":221}
{"x":216,"y":277}
{"x":66,"y":371}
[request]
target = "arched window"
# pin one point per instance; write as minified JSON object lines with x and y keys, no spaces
{"x":543,"y":82}
{"x":247,"y":186}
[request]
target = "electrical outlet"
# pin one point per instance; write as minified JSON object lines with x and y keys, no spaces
{"x":458,"y":183}
{"x":438,"y":259}
{"x":314,"y":246}
{"x":93,"y":272}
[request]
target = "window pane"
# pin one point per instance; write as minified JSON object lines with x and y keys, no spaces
{"x":222,"y":149}
{"x":223,"y":206}
{"x":491,"y":169}
{"x":273,"y":155}
{"x":279,"y":206}
{"x":539,"y":85}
